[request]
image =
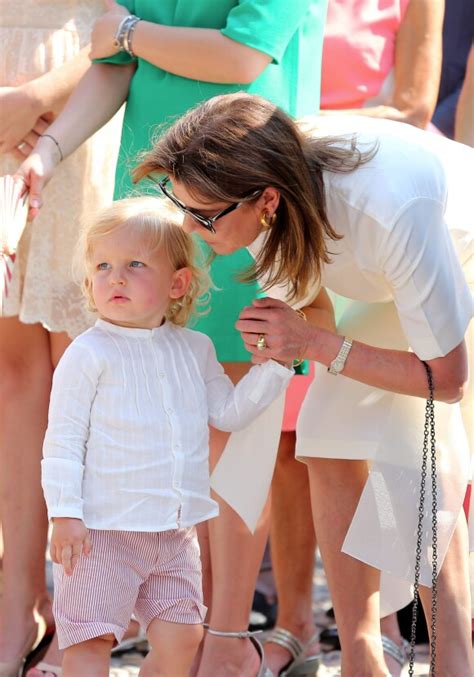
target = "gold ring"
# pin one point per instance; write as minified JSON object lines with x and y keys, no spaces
{"x":261,"y":342}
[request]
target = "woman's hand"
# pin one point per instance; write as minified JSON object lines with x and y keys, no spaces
{"x":287,"y":335}
{"x":69,"y":540}
{"x":36,"y":171}
{"x":104,"y":30}
{"x":21,"y":120}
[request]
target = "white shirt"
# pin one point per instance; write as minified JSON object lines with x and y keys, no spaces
{"x":127,"y":441}
{"x":406,"y":218}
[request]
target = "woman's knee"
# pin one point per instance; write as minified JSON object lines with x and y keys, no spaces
{"x":337,"y":473}
{"x":23,"y":371}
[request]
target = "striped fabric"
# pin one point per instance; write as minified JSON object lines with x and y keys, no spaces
{"x":154,"y":575}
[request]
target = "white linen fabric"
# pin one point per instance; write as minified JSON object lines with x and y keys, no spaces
{"x":127,"y":441}
{"x":406,"y":222}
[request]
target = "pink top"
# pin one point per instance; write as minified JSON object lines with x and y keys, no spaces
{"x":358,"y":50}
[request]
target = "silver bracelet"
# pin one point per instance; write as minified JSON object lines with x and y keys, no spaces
{"x":122,"y":38}
{"x":120,"y":33}
{"x":128,"y":37}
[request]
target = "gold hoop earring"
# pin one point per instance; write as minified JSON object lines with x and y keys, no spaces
{"x":267,"y":221}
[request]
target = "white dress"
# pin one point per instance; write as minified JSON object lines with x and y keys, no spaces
{"x":35,"y":37}
{"x":400,"y":215}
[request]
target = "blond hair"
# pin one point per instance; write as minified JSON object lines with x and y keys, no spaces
{"x":233,"y":144}
{"x":159,"y":226}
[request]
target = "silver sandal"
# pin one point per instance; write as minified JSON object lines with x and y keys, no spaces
{"x":300,"y":664}
{"x":246,"y":634}
{"x":398,"y":653}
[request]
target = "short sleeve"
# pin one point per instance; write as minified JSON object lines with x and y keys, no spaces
{"x":266,"y":26}
{"x":431,"y":294}
{"x":121,"y":58}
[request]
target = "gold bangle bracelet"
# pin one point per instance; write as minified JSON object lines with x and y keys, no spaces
{"x":302,"y":314}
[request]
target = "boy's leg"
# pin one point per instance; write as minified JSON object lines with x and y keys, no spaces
{"x":89,"y":658}
{"x":173,"y":647}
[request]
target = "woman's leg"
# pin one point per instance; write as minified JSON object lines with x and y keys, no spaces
{"x":58,"y":342}
{"x":336,"y":486}
{"x":453,"y":626}
{"x":25,"y":368}
{"x":236,"y":555}
{"x":293,"y":547}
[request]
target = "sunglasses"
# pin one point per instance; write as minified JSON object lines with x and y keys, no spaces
{"x":204,"y":221}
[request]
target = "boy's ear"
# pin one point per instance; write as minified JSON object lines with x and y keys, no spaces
{"x":180,"y":283}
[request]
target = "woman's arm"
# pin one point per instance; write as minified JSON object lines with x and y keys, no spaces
{"x":418,"y":55}
{"x":98,"y":96}
{"x":29,"y":108}
{"x":195,"y":53}
{"x":464,"y":123}
{"x":320,"y":312}
{"x":288,"y":336}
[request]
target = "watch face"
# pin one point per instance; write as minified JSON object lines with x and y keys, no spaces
{"x":338,"y":366}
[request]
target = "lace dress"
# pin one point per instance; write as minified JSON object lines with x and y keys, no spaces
{"x":35,"y":37}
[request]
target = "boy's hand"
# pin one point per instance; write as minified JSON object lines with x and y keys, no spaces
{"x":69,"y":540}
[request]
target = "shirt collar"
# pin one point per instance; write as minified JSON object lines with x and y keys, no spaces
{"x":133,"y":332}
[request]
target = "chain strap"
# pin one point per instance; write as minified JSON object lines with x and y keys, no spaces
{"x":428,"y":440}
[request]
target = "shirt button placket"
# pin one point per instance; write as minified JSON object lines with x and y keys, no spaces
{"x":175,"y":444}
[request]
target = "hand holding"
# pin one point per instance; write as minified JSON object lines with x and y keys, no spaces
{"x":287,"y":335}
{"x":36,"y":171}
{"x":70,"y":539}
{"x":104,"y":30}
{"x":31,"y":139}
{"x":21,"y":112}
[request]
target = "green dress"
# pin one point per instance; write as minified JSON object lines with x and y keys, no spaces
{"x":291,"y":33}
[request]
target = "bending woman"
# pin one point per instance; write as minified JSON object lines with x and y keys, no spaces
{"x":182,"y":53}
{"x":370,"y":219}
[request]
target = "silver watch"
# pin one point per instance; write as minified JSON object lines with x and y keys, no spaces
{"x":339,"y":362}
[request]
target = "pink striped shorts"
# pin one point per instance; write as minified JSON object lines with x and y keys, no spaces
{"x":154,"y":575}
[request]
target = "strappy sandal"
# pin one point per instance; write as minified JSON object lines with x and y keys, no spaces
{"x":246,"y":634}
{"x":398,"y":653}
{"x":299,"y":664}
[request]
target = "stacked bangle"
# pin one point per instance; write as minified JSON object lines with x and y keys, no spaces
{"x":124,"y":34}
